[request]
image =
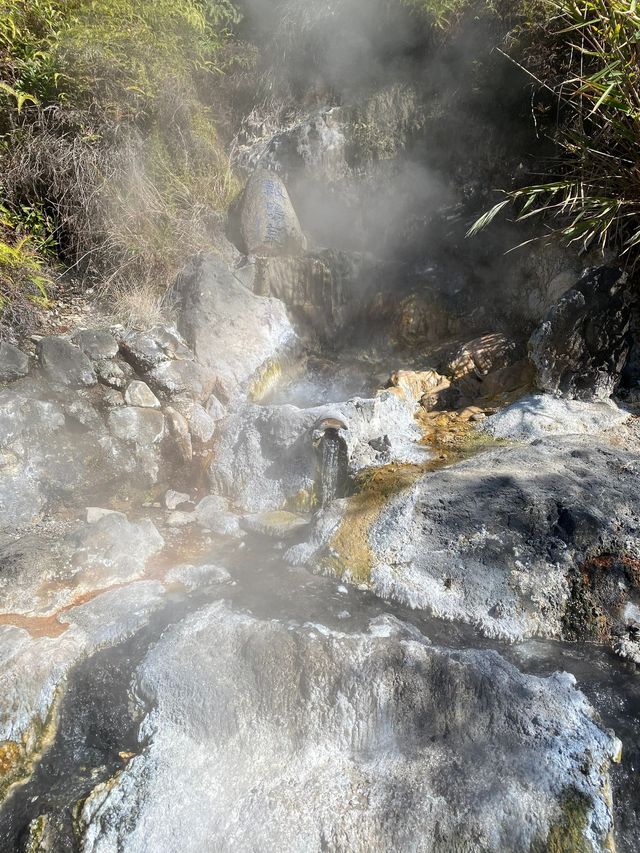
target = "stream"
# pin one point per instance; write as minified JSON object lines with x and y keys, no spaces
{"x":98,"y":728}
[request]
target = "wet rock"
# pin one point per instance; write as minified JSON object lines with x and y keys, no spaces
{"x":269,"y":222}
{"x":581,"y":347}
{"x":268,"y":456}
{"x":65,"y":363}
{"x":276,"y":524}
{"x":196,"y":577}
{"x":236,"y":336}
{"x":135,"y":425}
{"x":275,"y":762}
{"x":179,"y":431}
{"x":212,"y":513}
{"x":541,"y":415}
{"x":97,"y":344}
{"x":14,"y":364}
{"x":139,"y":394}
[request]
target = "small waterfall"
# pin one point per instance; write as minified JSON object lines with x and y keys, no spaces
{"x":329,"y":467}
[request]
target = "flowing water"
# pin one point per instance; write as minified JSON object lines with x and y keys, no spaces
{"x":98,"y":726}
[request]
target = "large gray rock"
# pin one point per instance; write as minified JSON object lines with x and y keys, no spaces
{"x":136,"y":425}
{"x":305,"y":739}
{"x":269,"y":222}
{"x":268,"y":457}
{"x":14,"y":364}
{"x":236,"y":336}
{"x":497,"y":540}
{"x":581,"y":347}
{"x":65,"y":363}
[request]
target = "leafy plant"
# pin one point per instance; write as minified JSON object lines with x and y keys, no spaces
{"x":592,"y":70}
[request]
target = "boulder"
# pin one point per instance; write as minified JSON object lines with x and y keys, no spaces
{"x":179,"y":431}
{"x":277,"y":524}
{"x":178,"y":377}
{"x":111,"y":374}
{"x":580,"y":349}
{"x":495,"y":540}
{"x":96,"y":344}
{"x":236,"y":336}
{"x":268,"y":221}
{"x":295,"y":737}
{"x":14,"y":364}
{"x":65,"y":362}
{"x":173,"y":499}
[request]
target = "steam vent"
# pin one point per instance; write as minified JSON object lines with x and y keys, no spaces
{"x":319,"y":426}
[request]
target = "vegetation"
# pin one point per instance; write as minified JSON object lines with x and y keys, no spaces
{"x":110,"y":154}
{"x":583,"y":57}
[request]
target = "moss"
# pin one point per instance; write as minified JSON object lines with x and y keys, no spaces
{"x":35,"y":841}
{"x":567,"y":834}
{"x":265,"y":379}
{"x":17,"y":759}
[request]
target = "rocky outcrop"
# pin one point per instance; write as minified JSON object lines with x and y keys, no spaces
{"x":65,"y":363}
{"x":304,"y":738}
{"x":495,"y":540}
{"x":236,"y":336}
{"x":581,"y":347}
{"x":269,"y":222}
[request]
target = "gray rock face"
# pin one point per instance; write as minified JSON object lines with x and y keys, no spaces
{"x":97,"y":344}
{"x":55,"y":447}
{"x":236,"y":336}
{"x":497,"y":540}
{"x":14,"y":364}
{"x":303,"y":739}
{"x":581,"y":347}
{"x":269,"y":222}
{"x":65,"y":363}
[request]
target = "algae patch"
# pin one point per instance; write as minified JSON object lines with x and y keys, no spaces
{"x":452,"y":439}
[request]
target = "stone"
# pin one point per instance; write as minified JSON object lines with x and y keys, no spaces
{"x":113,"y":399}
{"x":215,"y":409}
{"x":581,"y":347}
{"x":201,"y":425}
{"x":97,"y":344}
{"x":14,"y":364}
{"x":111,"y":374}
{"x":135,"y":425}
{"x":291,"y":767}
{"x":277,"y":524}
{"x":146,"y":350}
{"x":482,"y":356}
{"x":95,"y":513}
{"x":181,"y":519}
{"x":65,"y":363}
{"x":236,"y":336}
{"x":268,"y":221}
{"x":174,"y":378}
{"x":542,"y":415}
{"x":414,"y":386}
{"x":212,"y":514}
{"x":179,"y":431}
{"x":139,"y":394}
{"x":173,"y":499}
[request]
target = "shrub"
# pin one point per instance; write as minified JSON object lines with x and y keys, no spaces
{"x":585,"y":59}
{"x":110,"y":153}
